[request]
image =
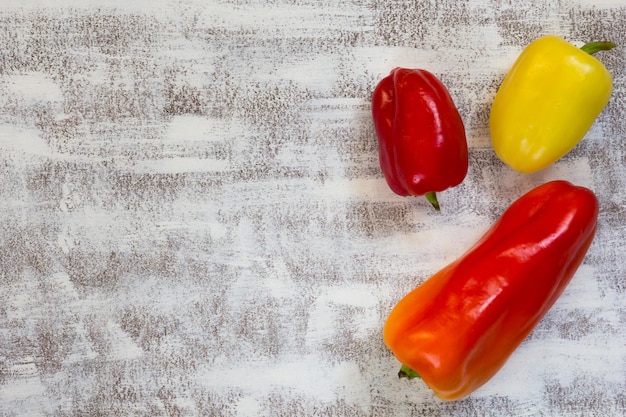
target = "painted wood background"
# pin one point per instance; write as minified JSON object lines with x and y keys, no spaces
{"x":194,"y":222}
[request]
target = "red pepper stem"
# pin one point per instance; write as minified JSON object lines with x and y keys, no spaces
{"x":406,"y":372}
{"x":432,"y":198}
{"x":593,"y":47}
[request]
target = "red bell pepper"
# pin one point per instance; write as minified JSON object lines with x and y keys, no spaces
{"x":421,"y":136}
{"x":460,"y":326}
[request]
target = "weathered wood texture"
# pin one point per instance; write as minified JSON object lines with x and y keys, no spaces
{"x":194,"y":222}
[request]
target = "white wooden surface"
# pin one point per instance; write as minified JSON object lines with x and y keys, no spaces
{"x":194,"y":222}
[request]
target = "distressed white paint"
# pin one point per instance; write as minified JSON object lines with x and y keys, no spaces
{"x":195,"y":222}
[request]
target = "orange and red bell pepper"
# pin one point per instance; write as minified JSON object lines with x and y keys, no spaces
{"x":459,"y":327}
{"x":421,"y":136}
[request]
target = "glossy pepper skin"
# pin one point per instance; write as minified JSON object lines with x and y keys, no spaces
{"x":421,"y":136}
{"x":547,"y":102}
{"x":459,"y":327}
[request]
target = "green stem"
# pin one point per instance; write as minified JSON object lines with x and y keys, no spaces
{"x":406,"y":372}
{"x":432,"y":198}
{"x":593,"y":47}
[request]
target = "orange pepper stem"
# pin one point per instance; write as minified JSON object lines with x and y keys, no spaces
{"x":406,"y":372}
{"x":593,"y":47}
{"x":432,"y":198}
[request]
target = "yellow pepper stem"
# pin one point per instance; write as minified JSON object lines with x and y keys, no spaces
{"x":593,"y":47}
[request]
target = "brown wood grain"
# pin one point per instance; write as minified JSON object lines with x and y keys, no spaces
{"x":195,"y":223}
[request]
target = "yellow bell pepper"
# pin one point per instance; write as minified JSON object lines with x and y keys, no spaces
{"x":548,"y":101}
